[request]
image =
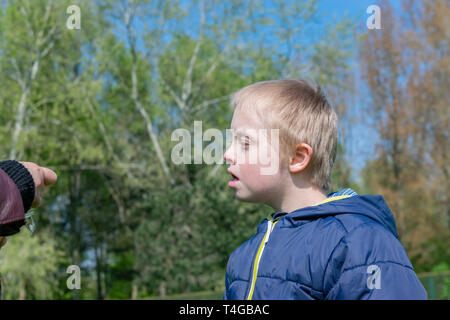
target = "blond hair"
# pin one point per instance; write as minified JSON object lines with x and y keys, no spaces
{"x":302,"y":113}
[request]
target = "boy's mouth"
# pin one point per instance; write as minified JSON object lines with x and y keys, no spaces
{"x":234,"y":179}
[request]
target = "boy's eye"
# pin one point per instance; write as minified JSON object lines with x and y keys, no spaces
{"x":245,"y":142}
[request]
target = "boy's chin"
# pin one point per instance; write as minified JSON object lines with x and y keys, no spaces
{"x":247,"y":197}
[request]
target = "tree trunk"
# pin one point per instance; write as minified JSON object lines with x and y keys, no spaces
{"x":18,"y":123}
{"x":99,"y":274}
{"x":162,"y":289}
{"x":22,"y":293}
{"x":134,"y":291}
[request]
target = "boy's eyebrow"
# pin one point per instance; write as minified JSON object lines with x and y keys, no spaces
{"x":243,"y":132}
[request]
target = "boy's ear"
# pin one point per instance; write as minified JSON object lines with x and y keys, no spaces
{"x":300,"y":160}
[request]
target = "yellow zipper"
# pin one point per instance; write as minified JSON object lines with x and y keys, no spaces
{"x":270,"y":226}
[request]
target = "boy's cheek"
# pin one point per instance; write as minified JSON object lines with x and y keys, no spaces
{"x":254,"y":177}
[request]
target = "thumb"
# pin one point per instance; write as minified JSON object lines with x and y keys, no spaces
{"x":50,"y":176}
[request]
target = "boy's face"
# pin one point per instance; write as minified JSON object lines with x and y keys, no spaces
{"x":253,"y":159}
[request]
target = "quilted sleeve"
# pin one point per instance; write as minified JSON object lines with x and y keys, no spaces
{"x":370,"y":263}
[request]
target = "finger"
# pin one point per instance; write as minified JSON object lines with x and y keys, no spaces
{"x":50,"y":176}
{"x":37,"y":198}
{"x":3,"y":241}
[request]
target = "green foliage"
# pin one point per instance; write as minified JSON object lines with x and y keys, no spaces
{"x":29,"y":267}
{"x":189,"y":231}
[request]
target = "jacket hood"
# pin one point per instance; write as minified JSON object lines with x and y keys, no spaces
{"x":371,"y":206}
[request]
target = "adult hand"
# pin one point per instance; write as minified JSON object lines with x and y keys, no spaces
{"x":42,"y":177}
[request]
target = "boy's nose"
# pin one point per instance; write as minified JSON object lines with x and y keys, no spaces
{"x":229,"y":159}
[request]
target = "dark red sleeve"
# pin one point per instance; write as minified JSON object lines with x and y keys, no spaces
{"x":12,"y":214}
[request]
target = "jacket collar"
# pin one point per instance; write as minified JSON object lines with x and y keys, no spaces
{"x":333,"y":196}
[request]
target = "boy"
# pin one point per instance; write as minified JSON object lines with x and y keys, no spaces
{"x":343,"y":246}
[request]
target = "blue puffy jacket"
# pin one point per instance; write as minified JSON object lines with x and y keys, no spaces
{"x":344,"y":248}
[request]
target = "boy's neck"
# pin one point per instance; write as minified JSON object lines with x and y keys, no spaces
{"x":299,"y":197}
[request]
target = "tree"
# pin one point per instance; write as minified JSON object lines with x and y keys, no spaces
{"x":405,"y":66}
{"x":29,"y":267}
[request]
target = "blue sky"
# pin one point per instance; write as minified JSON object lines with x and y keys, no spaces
{"x":352,"y":7}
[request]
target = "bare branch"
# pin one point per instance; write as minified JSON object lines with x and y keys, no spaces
{"x":46,"y":18}
{"x":19,"y":78}
{"x":49,"y":35}
{"x":213,"y":66}
{"x":47,"y":50}
{"x":135,"y":95}
{"x":210,"y":102}
{"x":34,"y":70}
{"x":27,"y":22}
{"x":179,"y":102}
{"x":18,"y":125}
{"x":41,"y":102}
{"x":187,"y":85}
